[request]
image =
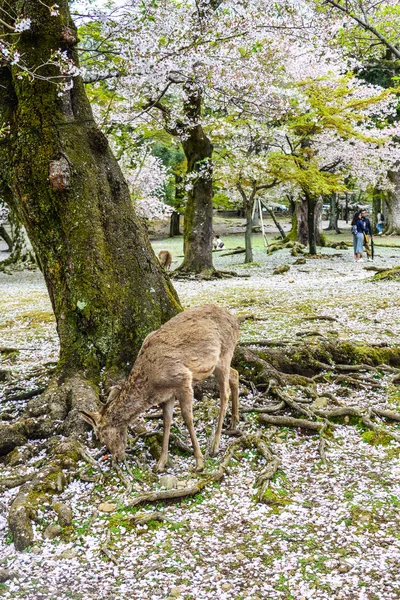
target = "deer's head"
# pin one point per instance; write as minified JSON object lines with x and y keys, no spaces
{"x":112,"y":436}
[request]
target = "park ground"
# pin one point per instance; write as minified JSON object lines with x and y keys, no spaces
{"x":330,"y":530}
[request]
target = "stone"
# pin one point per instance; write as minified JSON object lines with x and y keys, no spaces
{"x":182,"y":484}
{"x":175,"y":592}
{"x":320,"y":402}
{"x":52,"y":531}
{"x":168,"y":481}
{"x":344,"y":567}
{"x":240,"y":556}
{"x":107,"y":507}
{"x":64,"y":513}
{"x":68,"y":553}
{"x":226,"y":587}
{"x":5,"y":575}
{"x":5,"y":375}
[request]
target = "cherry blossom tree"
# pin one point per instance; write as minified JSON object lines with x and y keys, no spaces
{"x":58,"y":174}
{"x":184,"y":62}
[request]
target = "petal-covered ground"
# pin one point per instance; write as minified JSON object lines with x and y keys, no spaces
{"x":330,"y":531}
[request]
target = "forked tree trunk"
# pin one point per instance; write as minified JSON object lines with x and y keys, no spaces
{"x":300,"y":224}
{"x":197,"y":232}
{"x":106,"y":287}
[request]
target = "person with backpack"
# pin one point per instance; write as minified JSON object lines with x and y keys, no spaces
{"x":358,"y":229}
{"x":367,"y":232}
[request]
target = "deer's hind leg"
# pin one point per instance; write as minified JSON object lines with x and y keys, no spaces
{"x":234,"y":387}
{"x":223,"y":380}
{"x":185,"y":398}
{"x":168,"y":411}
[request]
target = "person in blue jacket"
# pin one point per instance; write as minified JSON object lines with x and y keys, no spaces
{"x":358,"y":230}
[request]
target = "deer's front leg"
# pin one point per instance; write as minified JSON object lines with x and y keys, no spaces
{"x":168,"y":411}
{"x":186,"y":403}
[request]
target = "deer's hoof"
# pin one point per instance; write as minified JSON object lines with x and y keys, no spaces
{"x":159,"y":468}
{"x":199,"y":466}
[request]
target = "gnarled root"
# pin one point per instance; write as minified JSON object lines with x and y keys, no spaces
{"x":61,"y":464}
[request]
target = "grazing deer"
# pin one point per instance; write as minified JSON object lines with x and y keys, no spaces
{"x":185,"y":350}
{"x":165,"y":259}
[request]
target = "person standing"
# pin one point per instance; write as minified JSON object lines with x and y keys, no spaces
{"x":367,"y":232}
{"x":358,"y":229}
{"x":380,"y":223}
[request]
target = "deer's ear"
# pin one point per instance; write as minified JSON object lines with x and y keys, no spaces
{"x":92,"y":418}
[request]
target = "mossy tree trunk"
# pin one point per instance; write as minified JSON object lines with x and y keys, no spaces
{"x":197,"y":232}
{"x":308,"y":210}
{"x":105,"y":284}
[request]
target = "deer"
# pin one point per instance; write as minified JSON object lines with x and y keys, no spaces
{"x":185,"y":350}
{"x":165,"y":258}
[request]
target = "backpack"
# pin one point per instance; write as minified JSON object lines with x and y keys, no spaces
{"x":354,"y":229}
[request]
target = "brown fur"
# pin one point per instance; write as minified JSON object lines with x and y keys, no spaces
{"x":165,"y":259}
{"x":185,"y":350}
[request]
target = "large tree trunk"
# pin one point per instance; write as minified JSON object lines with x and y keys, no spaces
{"x":199,"y":210}
{"x":300,"y":223}
{"x":106,"y":287}
{"x":392,"y":217}
{"x":333,"y":214}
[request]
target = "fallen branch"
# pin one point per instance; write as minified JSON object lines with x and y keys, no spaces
{"x":26,"y":395}
{"x":245,"y":440}
{"x":291,"y":422}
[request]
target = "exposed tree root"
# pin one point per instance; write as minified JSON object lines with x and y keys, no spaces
{"x":275,"y":371}
{"x":243,"y":441}
{"x":205,"y":275}
{"x":60,"y":465}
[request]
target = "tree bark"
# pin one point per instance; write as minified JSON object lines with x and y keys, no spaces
{"x":311,"y":203}
{"x":197,"y":243}
{"x":333,"y":214}
{"x":174,"y":224}
{"x":300,"y":223}
{"x":56,"y":168}
{"x":392,"y":218}
{"x":248,"y":232}
{"x":6,"y":238}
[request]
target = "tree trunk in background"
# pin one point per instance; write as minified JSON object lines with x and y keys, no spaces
{"x":392,"y":216}
{"x":197,"y":232}
{"x":311,"y":220}
{"x":6,"y":238}
{"x":249,"y":230}
{"x":105,"y":284}
{"x":174,"y":224}
{"x":300,"y":221}
{"x":256,"y":217}
{"x":333,"y":214}
{"x":21,"y":253}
